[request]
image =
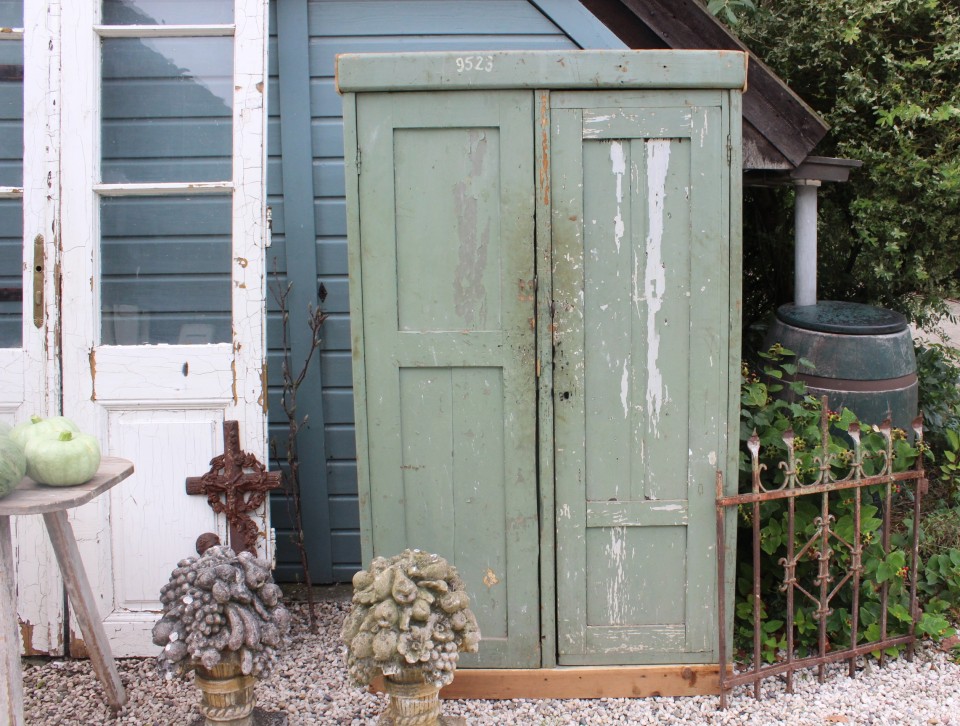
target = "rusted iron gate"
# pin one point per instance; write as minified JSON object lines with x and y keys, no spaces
{"x":824,"y":538}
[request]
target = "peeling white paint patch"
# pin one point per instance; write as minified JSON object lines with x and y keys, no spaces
{"x":655,"y":282}
{"x":667,"y":508}
{"x":712,"y":458}
{"x":598,"y":118}
{"x":618,"y":162}
{"x":625,"y":388}
{"x":616,"y":553}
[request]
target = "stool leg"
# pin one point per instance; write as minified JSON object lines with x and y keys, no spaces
{"x":84,"y":605}
{"x":11,"y":676}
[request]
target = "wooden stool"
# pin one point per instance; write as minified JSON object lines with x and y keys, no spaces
{"x":53,"y":503}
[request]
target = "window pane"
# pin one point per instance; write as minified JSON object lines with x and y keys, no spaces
{"x":11,"y":13}
{"x":165,"y":269}
{"x":167,"y":109}
{"x":167,"y":12}
{"x":11,"y":272}
{"x":11,"y":113}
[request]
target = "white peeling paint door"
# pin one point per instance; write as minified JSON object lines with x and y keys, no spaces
{"x":640,"y":240}
{"x":28,"y":314}
{"x":162,"y":259}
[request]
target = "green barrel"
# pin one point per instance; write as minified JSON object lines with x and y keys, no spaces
{"x":863,"y":357}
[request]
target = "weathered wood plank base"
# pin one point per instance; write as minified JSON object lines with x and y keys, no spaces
{"x":581,"y":682}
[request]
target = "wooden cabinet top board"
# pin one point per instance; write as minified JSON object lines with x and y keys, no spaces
{"x":548,"y":69}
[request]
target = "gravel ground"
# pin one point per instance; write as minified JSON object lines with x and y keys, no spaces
{"x":310,"y":685}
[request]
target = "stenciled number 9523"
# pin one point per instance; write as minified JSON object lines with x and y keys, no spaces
{"x":482,"y":63}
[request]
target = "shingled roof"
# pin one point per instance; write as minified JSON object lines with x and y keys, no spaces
{"x":779,"y":129}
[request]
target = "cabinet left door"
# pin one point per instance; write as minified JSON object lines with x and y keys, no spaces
{"x":442,"y":295}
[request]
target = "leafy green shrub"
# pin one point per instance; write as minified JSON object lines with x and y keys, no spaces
{"x":940,"y":532}
{"x":938,"y":371}
{"x":764,"y":411}
{"x":883,"y":74}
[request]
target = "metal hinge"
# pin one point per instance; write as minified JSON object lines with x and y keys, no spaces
{"x":729,"y":150}
{"x":358,"y":161}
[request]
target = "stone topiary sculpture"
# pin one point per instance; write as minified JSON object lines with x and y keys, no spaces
{"x":410,"y":620}
{"x":223,"y":617}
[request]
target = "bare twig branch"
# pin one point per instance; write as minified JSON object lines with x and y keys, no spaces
{"x":288,"y":402}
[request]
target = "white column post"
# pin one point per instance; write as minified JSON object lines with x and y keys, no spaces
{"x":805,"y":247}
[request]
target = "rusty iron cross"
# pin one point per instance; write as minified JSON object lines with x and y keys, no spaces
{"x":236,"y":485}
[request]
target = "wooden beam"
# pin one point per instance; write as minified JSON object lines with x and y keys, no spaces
{"x":300,"y":265}
{"x":539,"y":70}
{"x":581,"y":682}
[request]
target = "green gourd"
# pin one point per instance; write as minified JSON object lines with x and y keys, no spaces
{"x":70,"y":458}
{"x":45,"y":427}
{"x":13,"y":465}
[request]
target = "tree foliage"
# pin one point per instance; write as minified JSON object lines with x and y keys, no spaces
{"x":884,"y":74}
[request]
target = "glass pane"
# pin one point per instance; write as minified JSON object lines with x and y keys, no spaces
{"x":167,"y":109}
{"x":11,"y":113}
{"x":165,"y":265}
{"x":11,"y":272}
{"x":11,"y":13}
{"x":167,"y":12}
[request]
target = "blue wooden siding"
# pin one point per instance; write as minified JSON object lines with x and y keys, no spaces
{"x":166,"y":117}
{"x":336,"y":26}
{"x":11,"y":175}
{"x":167,"y":12}
{"x":165,"y":269}
{"x":167,"y":109}
{"x":11,"y":266}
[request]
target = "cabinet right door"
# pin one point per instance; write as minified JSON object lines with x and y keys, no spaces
{"x":640,"y":194}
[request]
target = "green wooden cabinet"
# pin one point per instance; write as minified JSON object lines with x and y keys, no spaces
{"x":544,"y":254}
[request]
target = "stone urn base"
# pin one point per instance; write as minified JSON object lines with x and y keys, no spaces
{"x":413,"y":702}
{"x":226,"y":695}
